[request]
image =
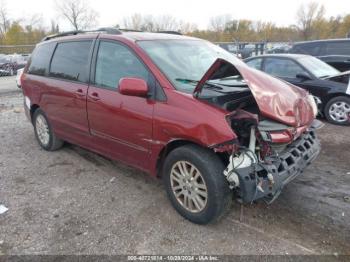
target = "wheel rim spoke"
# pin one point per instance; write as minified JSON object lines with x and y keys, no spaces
{"x":339,"y":111}
{"x":188,"y":186}
{"x":42,"y":129}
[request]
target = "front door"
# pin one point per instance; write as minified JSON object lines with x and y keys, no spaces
{"x":120,"y":124}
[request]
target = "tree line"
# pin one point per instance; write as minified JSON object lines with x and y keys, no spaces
{"x":310,"y":23}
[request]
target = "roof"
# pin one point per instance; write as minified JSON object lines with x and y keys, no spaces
{"x":323,"y":41}
{"x":293,"y":56}
{"x":136,"y":36}
{"x":113,"y":32}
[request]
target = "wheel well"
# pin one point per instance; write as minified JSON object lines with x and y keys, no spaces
{"x":166,"y":150}
{"x":176,"y":144}
{"x":331,"y":96}
{"x":33,"y":108}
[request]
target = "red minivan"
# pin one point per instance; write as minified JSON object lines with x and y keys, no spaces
{"x":177,"y":107}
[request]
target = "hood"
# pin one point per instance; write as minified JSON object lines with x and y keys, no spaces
{"x":340,"y":78}
{"x":276,"y":99}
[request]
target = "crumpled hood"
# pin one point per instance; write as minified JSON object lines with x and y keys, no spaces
{"x":276,"y":99}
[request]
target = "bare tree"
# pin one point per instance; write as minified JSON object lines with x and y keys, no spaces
{"x":4,"y":19}
{"x":134,"y":22}
{"x":218,"y":23}
{"x":166,"y":23}
{"x":151,"y":23}
{"x":307,"y":16}
{"x":78,"y":13}
{"x":186,"y":27}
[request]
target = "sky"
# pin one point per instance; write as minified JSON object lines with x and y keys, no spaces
{"x":280,"y":12}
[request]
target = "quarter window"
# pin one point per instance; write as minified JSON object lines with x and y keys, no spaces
{"x":70,"y":61}
{"x":282,"y":67}
{"x":115,"y":61}
{"x":40,"y":60}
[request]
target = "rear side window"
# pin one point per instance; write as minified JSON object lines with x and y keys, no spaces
{"x":338,"y":48}
{"x":313,"y":49}
{"x":71,"y":61}
{"x":115,"y":61}
{"x":255,"y":63}
{"x":282,"y":67}
{"x":40,"y":59}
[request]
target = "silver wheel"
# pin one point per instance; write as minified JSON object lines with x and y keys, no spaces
{"x":42,"y":130}
{"x":188,"y":186}
{"x":339,"y":111}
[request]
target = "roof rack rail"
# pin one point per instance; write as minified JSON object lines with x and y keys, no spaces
{"x":108,"y":30}
{"x":129,"y":30}
{"x":170,"y":32}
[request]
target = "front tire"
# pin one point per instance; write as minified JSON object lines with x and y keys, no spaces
{"x":44,"y":133}
{"x":195,"y":184}
{"x":337,"y":110}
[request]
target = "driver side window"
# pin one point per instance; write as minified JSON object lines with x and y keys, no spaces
{"x":282,"y":67}
{"x":115,"y":61}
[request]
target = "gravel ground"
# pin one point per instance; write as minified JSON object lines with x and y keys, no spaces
{"x":76,"y":202}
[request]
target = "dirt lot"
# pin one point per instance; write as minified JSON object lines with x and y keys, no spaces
{"x":75,"y":202}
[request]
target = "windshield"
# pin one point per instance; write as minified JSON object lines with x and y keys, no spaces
{"x":317,"y":67}
{"x":185,"y":62}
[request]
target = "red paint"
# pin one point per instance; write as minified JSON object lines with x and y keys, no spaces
{"x":281,"y":137}
{"x":133,"y":87}
{"x":136,"y":129}
{"x":276,"y":99}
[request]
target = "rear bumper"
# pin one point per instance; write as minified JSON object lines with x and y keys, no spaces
{"x":255,"y":183}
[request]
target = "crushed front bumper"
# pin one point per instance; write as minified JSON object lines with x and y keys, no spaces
{"x":256,"y":181}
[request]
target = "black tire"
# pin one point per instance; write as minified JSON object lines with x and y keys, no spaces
{"x":219,"y":196}
{"x":327,"y":113}
{"x":54,"y":143}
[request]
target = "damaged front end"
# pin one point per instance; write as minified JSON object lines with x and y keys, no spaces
{"x":261,"y":170}
{"x":275,"y":127}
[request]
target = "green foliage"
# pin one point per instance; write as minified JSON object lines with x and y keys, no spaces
{"x":19,"y":35}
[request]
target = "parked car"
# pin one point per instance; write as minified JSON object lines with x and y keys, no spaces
{"x":9,"y":64}
{"x":310,"y":73}
{"x":281,"y":49}
{"x":177,"y":107}
{"x":335,"y":52}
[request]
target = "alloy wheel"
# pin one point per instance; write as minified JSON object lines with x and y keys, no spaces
{"x":42,"y":129}
{"x":339,"y":111}
{"x":188,"y":186}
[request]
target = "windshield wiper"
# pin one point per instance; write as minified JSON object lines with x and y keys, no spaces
{"x":208,"y":85}
{"x":325,"y":76}
{"x":187,"y":81}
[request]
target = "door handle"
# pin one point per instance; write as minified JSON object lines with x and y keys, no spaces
{"x":80,"y":92}
{"x":94,"y":96}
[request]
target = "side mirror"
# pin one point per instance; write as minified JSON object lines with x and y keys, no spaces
{"x":303,"y":77}
{"x":132,"y":86}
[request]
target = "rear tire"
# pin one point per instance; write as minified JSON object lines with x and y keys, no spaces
{"x":44,"y":133}
{"x":337,"y":110}
{"x":202,"y":183}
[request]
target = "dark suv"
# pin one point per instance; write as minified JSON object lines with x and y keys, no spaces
{"x":335,"y":52}
{"x":176,"y":107}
